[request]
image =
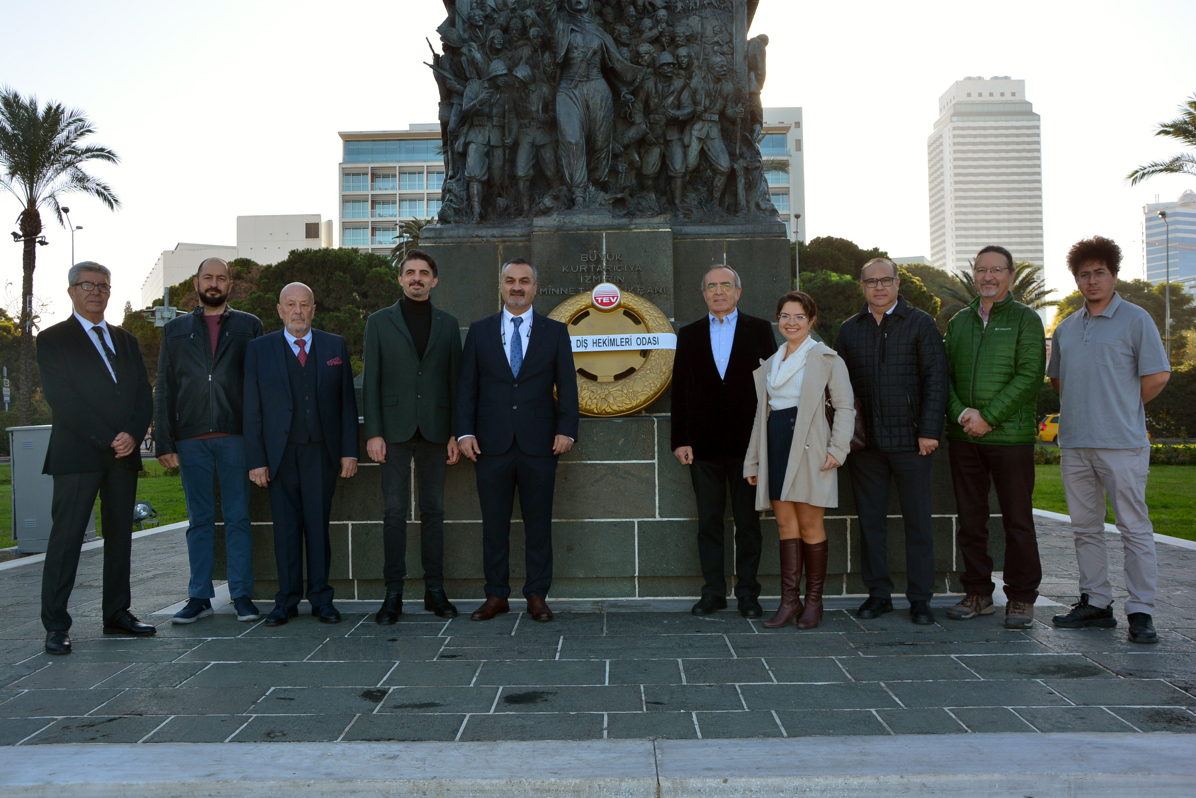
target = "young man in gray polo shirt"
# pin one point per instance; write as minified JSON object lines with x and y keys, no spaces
{"x":1107,"y":362}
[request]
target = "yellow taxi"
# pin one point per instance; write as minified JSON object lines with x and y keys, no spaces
{"x":1048,"y":430}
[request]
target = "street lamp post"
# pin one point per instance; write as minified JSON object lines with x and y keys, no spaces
{"x":67,"y":213}
{"x":1167,"y":316}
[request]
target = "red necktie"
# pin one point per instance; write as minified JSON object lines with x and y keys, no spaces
{"x":299,"y":342}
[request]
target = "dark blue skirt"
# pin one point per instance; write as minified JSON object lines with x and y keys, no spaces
{"x":780,"y":441}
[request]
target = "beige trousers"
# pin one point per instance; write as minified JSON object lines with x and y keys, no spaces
{"x":1088,"y":476}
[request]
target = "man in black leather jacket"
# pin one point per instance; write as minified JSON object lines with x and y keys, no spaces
{"x":197,"y":429}
{"x":898,"y":367}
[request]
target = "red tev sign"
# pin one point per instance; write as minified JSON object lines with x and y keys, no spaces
{"x":605,"y":296}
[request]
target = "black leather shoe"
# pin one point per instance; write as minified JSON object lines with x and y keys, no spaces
{"x":127,"y":624}
{"x":919,"y":613}
{"x":280,"y":615}
{"x":708,"y":605}
{"x":58,"y":643}
{"x":874,"y":607}
{"x":327,"y":614}
{"x":1141,"y":629}
{"x":392,"y":608}
{"x":436,"y":601}
{"x":749,"y":607}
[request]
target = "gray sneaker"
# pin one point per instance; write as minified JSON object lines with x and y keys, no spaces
{"x":1019,"y":615}
{"x":195,"y":609}
{"x":973,"y":604}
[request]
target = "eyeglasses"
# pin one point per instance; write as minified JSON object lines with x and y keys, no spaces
{"x":795,"y":317}
{"x":1098,"y":276}
{"x":995,"y":271}
{"x":88,"y":285}
{"x":712,"y":287}
{"x":872,"y":282}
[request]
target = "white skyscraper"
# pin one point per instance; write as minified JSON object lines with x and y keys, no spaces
{"x":985,"y":158}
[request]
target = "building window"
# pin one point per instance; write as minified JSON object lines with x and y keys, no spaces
{"x":411,"y":208}
{"x":775,"y":177}
{"x":797,"y":124}
{"x":385,"y":236}
{"x":357,"y":181}
{"x":797,"y":145}
{"x":969,"y":94}
{"x":781,"y":201}
{"x":773,"y":144}
{"x":355,"y":237}
{"x":385,"y":209}
{"x":435,"y":181}
{"x":356,"y":209}
{"x":1013,"y":93}
{"x":411,"y":181}
{"x":433,"y":207}
{"x":391,"y":151}
{"x":311,"y":230}
{"x":385,"y":181}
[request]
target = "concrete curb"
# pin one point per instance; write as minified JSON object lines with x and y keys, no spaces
{"x":1113,"y":530}
{"x":965,"y":765}
{"x":95,"y":544}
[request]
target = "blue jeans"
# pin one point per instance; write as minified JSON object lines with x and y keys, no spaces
{"x":200,"y":462}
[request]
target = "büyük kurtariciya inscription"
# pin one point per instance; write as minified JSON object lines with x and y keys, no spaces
{"x":643,"y":108}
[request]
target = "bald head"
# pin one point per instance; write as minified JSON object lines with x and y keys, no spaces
{"x":296,"y":308}
{"x":212,"y":281}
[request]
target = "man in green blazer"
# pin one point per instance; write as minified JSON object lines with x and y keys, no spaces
{"x":409,"y":389}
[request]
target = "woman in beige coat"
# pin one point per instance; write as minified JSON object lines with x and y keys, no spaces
{"x":794,"y":455}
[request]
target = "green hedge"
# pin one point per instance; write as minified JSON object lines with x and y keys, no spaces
{"x":1160,"y":454}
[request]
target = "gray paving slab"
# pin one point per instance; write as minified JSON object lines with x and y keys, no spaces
{"x":991,"y":720}
{"x":745,"y":670}
{"x":817,"y":696}
{"x":406,"y":627}
{"x":1022,"y":693}
{"x":729,"y":725}
{"x":1121,"y":692}
{"x":1084,"y":720}
{"x":260,"y":650}
{"x":756,"y":645}
{"x":807,"y":669}
{"x":645,"y":671}
{"x":69,"y":674}
{"x":920,"y":721}
{"x":1037,"y":666}
{"x":355,"y":649}
{"x":833,"y":622}
{"x":293,"y":728}
{"x":61,"y":703}
{"x":291,"y":674}
{"x":168,"y":701}
{"x":154,"y":674}
{"x":1158,"y":719}
{"x":198,"y":729}
{"x":691,"y":698}
{"x":405,"y":728}
{"x":546,"y":672}
{"x":459,"y":672}
{"x":548,"y":726}
{"x":505,"y":648}
{"x":123,"y":650}
{"x":655,"y":725}
{"x":633,"y":647}
{"x":889,"y":668}
{"x":1147,"y":666}
{"x":13,"y":730}
{"x":830,"y":723}
{"x":320,"y":700}
{"x":439,"y":700}
{"x":11,"y":673}
{"x":677,"y":623}
{"x":622,"y":698}
{"x":96,"y":730}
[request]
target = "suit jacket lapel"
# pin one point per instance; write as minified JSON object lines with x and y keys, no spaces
{"x":494,"y":339}
{"x":93,"y":356}
{"x":284,"y":351}
{"x":737,"y":342}
{"x":813,"y":388}
{"x":533,"y":343}
{"x":396,"y":318}
{"x":437,"y":327}
{"x":706,"y":350}
{"x":313,"y":359}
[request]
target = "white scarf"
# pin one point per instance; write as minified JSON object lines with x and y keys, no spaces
{"x":785,"y":378}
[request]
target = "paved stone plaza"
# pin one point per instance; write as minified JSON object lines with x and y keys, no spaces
{"x":619,"y":670}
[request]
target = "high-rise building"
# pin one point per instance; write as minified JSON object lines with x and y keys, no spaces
{"x":262,"y":239}
{"x":1181,"y":218}
{"x":389,"y":177}
{"x":985,"y":159}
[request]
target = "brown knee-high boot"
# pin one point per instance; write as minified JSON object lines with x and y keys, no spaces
{"x":815,"y":556}
{"x":790,"y":584}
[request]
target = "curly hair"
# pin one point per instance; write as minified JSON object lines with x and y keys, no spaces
{"x":1096,"y":249}
{"x":802,"y":298}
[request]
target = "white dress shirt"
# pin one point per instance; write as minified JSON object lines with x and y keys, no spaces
{"x":722,"y":337}
{"x":508,"y":330}
{"x":292,"y":339}
{"x":888,"y":312}
{"x":103,"y":325}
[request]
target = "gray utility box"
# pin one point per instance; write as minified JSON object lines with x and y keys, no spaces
{"x":33,"y":491}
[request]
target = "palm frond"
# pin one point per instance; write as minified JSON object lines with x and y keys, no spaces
{"x":781,"y":165}
{"x":1184,"y":163}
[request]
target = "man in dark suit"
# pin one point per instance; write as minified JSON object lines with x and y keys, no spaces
{"x":714,"y":405}
{"x":300,"y":432}
{"x":509,"y":424}
{"x":409,"y":384}
{"x":95,"y":382}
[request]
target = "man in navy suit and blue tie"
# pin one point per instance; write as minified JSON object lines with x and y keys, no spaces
{"x":509,"y":424}
{"x":300,"y":433}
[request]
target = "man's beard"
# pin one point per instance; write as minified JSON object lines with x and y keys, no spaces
{"x":213,"y":301}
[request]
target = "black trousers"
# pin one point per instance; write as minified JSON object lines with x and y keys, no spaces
{"x":871,"y":473}
{"x":974,"y":466}
{"x":300,"y":506}
{"x":498,"y":477}
{"x":430,"y":471}
{"x":74,"y":498}
{"x":711,"y":478}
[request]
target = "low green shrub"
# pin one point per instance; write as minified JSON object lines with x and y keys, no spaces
{"x":1160,"y":454}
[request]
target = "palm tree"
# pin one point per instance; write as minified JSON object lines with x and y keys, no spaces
{"x":1184,"y":129}
{"x":1029,"y":287}
{"x":408,"y":238}
{"x":42,"y":158}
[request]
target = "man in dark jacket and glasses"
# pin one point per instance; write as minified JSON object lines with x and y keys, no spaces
{"x":899,"y":374}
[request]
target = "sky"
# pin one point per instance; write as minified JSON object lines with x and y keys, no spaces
{"x":223,"y":109}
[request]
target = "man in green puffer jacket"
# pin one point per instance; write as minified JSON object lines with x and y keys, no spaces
{"x":996,"y":359}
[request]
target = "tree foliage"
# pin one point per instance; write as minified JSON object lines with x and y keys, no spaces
{"x":840,"y":297}
{"x":409,"y":233}
{"x":1152,"y":298}
{"x":830,"y":254}
{"x":941,"y":283}
{"x":1182,"y":129}
{"x":43,"y":158}
{"x":349,"y":285}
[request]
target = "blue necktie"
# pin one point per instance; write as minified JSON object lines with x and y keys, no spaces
{"x":516,"y":348}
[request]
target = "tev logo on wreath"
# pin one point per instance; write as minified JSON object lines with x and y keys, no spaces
{"x":606,"y":296}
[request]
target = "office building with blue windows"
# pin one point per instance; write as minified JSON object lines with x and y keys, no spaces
{"x":393,"y":176}
{"x":387,"y":178}
{"x":1181,"y":219}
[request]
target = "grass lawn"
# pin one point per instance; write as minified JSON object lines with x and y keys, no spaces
{"x":163,"y":492}
{"x":1169,"y":494}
